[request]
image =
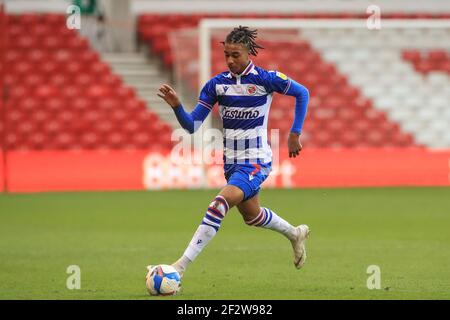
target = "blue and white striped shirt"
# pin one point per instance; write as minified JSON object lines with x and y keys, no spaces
{"x":244,"y":103}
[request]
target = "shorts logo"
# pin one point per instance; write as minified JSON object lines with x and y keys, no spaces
{"x":251,"y":89}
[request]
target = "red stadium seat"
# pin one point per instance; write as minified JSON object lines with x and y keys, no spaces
{"x":12,"y":140}
{"x":89,"y":140}
{"x":125,"y":93}
{"x":119,"y":115}
{"x":425,"y":62}
{"x":92,"y":116}
{"x":115,"y":140}
{"x":73,"y":67}
{"x":45,"y":91}
{"x":25,"y":42}
{"x":134,"y":105}
{"x":49,"y":67}
{"x":437,"y":55}
{"x":66,"y":117}
{"x":81,"y":104}
{"x":97,"y":91}
{"x":14,"y":117}
{"x":142,"y":139}
{"x":99,"y":69}
{"x":25,"y":127}
{"x":104,"y":127}
{"x":131,"y":126}
{"x":51,"y":42}
{"x":112,"y":81}
{"x":59,"y":80}
{"x":77,"y":44}
{"x":52,"y":19}
{"x":64,"y":140}
{"x":52,"y":127}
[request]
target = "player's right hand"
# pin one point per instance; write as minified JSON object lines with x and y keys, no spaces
{"x":169,"y":95}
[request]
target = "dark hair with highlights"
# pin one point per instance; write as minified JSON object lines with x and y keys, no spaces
{"x":245,"y":36}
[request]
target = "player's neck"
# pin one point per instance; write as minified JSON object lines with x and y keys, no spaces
{"x":243,"y":69}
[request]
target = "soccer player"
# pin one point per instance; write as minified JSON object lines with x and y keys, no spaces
{"x":244,"y":94}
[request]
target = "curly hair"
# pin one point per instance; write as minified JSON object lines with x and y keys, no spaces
{"x":245,"y":36}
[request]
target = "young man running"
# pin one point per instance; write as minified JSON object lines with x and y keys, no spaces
{"x":244,"y":94}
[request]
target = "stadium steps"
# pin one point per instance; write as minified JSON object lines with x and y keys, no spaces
{"x":145,"y":76}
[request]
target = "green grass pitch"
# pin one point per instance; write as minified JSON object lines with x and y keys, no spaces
{"x":113,"y":236}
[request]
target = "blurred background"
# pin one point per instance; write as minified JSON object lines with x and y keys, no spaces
{"x":79,"y":111}
{"x":80,"y":118}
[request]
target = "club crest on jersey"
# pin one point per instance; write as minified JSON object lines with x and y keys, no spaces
{"x":251,"y":89}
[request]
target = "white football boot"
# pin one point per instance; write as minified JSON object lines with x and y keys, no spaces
{"x":298,"y":244}
{"x":178,"y":269}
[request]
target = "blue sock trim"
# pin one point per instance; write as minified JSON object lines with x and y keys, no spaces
{"x":208,"y":217}
{"x":207,"y":224}
{"x":269,"y":216}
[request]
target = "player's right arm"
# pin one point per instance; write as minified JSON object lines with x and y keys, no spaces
{"x":189,"y":121}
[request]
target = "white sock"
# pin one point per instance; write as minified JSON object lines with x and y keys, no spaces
{"x":200,"y":239}
{"x":270,"y":220}
{"x":205,"y":232}
{"x":181,"y":264}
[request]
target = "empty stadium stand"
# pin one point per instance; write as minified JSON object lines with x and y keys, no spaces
{"x":413,"y":95}
{"x":61,"y":95}
{"x":348,"y":108}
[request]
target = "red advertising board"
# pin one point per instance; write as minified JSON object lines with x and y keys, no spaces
{"x":373,"y":167}
{"x":3,"y":47}
{"x":36,"y":171}
{"x":2,"y":172}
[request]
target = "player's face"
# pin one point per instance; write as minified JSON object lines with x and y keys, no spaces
{"x":236,"y":57}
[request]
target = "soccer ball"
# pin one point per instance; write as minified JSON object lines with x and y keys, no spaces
{"x":162,"y":280}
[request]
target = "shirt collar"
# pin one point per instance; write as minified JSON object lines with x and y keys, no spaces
{"x":246,"y":71}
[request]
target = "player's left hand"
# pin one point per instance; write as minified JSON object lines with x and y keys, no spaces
{"x":294,"y":145}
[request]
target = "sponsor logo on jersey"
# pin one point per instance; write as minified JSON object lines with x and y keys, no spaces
{"x":241,"y":114}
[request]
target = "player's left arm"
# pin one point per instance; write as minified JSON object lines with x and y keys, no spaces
{"x":280,"y":83}
{"x":301,"y":95}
